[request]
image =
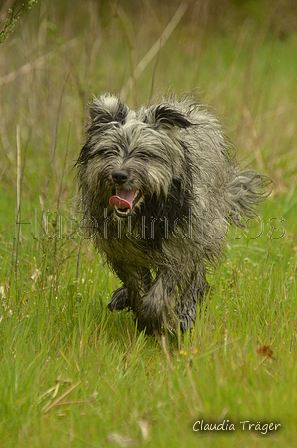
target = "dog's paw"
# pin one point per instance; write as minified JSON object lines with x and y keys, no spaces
{"x":186,"y":323}
{"x":186,"y":317}
{"x":120,"y":300}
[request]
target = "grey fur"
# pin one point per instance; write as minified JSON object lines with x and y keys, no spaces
{"x":175,"y":155}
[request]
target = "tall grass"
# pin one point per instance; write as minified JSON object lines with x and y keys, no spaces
{"x":71,"y":372}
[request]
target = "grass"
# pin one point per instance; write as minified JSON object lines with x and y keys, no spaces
{"x":73,"y":374}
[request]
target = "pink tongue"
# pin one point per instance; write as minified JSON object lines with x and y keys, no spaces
{"x":124,"y":199}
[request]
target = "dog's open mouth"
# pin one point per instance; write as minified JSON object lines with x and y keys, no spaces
{"x":124,"y":201}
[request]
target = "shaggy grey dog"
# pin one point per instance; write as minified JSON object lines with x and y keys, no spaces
{"x":159,"y":187}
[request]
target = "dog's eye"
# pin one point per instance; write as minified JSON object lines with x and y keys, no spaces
{"x":109,"y":153}
{"x":141,"y":155}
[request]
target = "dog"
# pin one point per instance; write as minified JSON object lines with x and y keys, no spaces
{"x":159,"y":187}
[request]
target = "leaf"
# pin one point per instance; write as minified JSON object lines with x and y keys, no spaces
{"x":265,"y":350}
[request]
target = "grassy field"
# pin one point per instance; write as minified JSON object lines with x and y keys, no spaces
{"x":73,"y":374}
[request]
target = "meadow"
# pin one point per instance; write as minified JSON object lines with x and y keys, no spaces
{"x":72,"y":373}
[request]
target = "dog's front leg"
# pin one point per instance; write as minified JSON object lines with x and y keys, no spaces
{"x":192,"y":296}
{"x":120,"y":300}
{"x":155,"y":307}
{"x":136,"y":283}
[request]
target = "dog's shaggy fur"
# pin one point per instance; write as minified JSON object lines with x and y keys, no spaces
{"x":159,"y":187}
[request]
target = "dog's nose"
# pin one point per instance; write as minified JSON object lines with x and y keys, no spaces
{"x":120,"y":177}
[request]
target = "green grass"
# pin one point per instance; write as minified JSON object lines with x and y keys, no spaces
{"x":74,"y":374}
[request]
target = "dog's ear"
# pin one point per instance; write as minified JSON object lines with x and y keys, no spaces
{"x":107,"y":109}
{"x":166,"y":116}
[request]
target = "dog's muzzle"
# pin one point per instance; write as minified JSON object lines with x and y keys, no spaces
{"x":124,"y":201}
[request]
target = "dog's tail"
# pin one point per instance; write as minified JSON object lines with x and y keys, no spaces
{"x":247,"y":190}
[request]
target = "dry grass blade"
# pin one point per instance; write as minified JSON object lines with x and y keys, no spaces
{"x":19,"y":170}
{"x":53,"y":158}
{"x":67,"y":403}
{"x":78,"y":257}
{"x":38,"y":63}
{"x":48,"y":407}
{"x":253,"y":132}
{"x":155,"y":49}
{"x":61,"y":183}
{"x":20,"y":177}
{"x":128,"y":31}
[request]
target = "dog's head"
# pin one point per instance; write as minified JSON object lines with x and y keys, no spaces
{"x":131,"y":157}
